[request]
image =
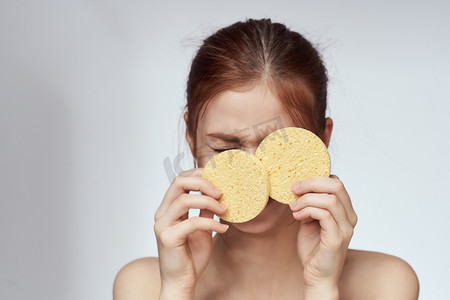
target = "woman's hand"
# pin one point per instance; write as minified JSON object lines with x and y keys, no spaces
{"x":327,"y":222}
{"x":185,"y":244}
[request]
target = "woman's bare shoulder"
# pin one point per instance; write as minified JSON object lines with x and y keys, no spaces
{"x":366,"y":275}
{"x":376,"y":275}
{"x":139,"y":279}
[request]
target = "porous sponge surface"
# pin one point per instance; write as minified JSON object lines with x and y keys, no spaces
{"x":243,"y":181}
{"x":289,"y":155}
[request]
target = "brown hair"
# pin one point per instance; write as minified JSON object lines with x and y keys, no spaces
{"x":259,"y":51}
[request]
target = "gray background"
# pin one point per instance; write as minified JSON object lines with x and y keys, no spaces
{"x":90,"y":107}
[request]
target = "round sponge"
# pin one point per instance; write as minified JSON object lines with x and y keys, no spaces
{"x":289,"y":155}
{"x":243,"y":181}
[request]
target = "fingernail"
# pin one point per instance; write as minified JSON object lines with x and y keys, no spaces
{"x":218,"y":191}
{"x":296,"y":187}
{"x":223,"y":206}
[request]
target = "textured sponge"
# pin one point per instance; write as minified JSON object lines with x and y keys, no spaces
{"x":243,"y":181}
{"x":289,"y":155}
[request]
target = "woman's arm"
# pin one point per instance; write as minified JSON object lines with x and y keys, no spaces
{"x":395,"y":279}
{"x":139,"y":279}
{"x":374,"y":275}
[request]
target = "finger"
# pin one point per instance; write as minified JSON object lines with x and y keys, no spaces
{"x":331,"y":234}
{"x":346,"y":201}
{"x":325,"y":201}
{"x":327,"y":185}
{"x":186,"y":201}
{"x":183,"y":185}
{"x":175,"y":236}
{"x":204,"y":213}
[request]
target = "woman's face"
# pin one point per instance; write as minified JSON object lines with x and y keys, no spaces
{"x":240,"y":120}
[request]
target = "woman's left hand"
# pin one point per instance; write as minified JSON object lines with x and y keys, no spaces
{"x":327,"y":222}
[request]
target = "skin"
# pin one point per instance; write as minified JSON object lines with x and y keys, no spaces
{"x":296,"y":251}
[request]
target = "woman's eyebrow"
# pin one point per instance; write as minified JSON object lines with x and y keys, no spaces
{"x":225,"y":137}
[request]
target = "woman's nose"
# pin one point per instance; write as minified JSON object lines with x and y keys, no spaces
{"x":251,"y":150}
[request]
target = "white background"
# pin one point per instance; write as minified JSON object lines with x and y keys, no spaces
{"x":91,"y":97}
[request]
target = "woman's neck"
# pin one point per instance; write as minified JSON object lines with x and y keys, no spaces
{"x":257,"y":262}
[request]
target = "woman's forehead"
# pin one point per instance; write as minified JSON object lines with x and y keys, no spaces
{"x":255,"y":112}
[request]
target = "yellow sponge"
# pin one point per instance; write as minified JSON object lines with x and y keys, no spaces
{"x":243,"y":181}
{"x":289,"y":155}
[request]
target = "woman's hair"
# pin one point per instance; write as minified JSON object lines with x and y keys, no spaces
{"x":245,"y":54}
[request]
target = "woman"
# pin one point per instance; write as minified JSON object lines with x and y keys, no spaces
{"x":246,"y":81}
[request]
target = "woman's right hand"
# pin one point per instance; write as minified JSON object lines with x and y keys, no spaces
{"x":185,"y":244}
